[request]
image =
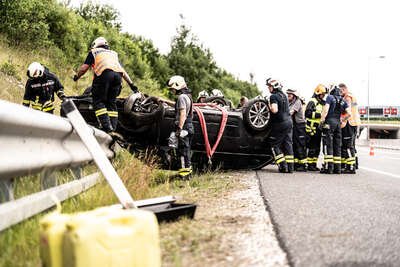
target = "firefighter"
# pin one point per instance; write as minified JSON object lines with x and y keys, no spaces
{"x":242,"y":102}
{"x":281,"y":128}
{"x":299,"y":130}
{"x":331,"y":131}
{"x":183,"y":122}
{"x":106,"y":86}
{"x":313,"y":116}
{"x":202,"y":96}
{"x":349,"y":131}
{"x":40,"y":88}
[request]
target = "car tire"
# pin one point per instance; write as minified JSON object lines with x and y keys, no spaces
{"x":256,"y":115}
{"x":154,"y":114}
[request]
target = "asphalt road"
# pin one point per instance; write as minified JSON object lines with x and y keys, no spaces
{"x":338,"y":220}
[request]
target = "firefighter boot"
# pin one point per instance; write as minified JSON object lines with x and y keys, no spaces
{"x":351,"y":168}
{"x":312,"y":167}
{"x":327,"y":168}
{"x":114,"y":122}
{"x":283,"y":167}
{"x":290,"y":167}
{"x":105,"y":123}
{"x":337,"y":169}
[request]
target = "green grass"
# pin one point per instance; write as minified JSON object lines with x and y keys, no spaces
{"x":19,"y":244}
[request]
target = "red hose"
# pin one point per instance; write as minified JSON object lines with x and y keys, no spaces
{"x":210,"y":151}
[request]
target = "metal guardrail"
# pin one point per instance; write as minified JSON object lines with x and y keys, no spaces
{"x":34,"y":142}
{"x":31,"y":141}
{"x":13,"y":212}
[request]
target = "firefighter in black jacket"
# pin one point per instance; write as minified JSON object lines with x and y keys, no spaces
{"x":40,"y":88}
{"x":106,"y":86}
{"x":313,"y":116}
{"x":281,"y":128}
{"x":331,"y":131}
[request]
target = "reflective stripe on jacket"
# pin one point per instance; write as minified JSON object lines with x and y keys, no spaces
{"x":313,"y":122}
{"x":105,"y":59}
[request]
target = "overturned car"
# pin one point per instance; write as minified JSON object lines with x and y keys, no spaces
{"x":224,"y":137}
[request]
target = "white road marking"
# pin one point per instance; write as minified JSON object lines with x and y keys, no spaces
{"x":380,"y":172}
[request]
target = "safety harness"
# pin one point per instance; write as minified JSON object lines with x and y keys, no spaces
{"x":211,"y":150}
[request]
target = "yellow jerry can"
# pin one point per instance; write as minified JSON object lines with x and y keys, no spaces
{"x":52,"y":228}
{"x":104,"y":237}
{"x":112,"y":237}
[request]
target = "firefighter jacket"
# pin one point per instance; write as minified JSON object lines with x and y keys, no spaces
{"x":39,"y":92}
{"x":354,"y":119}
{"x":105,"y":59}
{"x":313,"y":115}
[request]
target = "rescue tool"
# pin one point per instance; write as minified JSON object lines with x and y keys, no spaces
{"x":164,"y":208}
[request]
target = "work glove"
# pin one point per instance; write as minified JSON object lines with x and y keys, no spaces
{"x":75,"y":77}
{"x":134,"y":88}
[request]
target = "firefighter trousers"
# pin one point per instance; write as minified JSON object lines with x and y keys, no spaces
{"x":280,"y":141}
{"x":348,"y":147}
{"x":105,"y":89}
{"x":299,"y":145}
{"x":184,"y":145}
{"x":332,"y":145}
{"x":313,"y":149}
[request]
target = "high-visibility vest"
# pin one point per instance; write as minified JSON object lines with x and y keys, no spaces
{"x":355,"y":115}
{"x":313,"y":123}
{"x":354,"y":119}
{"x":105,"y":59}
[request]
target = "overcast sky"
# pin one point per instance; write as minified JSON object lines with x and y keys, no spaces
{"x":301,"y":43}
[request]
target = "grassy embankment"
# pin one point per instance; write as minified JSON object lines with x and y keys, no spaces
{"x":19,"y":244}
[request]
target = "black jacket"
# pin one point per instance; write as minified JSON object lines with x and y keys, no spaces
{"x":40,"y":90}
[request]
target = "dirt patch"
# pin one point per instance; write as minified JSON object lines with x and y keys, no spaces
{"x":231,"y":228}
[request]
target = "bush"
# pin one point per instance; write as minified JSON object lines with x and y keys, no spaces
{"x":8,"y":68}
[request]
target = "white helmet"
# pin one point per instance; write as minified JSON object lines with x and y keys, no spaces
{"x":217,"y":92}
{"x":176,"y":82}
{"x":203,"y":93}
{"x":100,"y":41}
{"x":35,"y":70}
{"x":293,"y":92}
{"x":274,"y":83}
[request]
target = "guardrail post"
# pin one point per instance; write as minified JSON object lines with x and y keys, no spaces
{"x":48,"y":179}
{"x":76,"y":172}
{"x":6,"y":190}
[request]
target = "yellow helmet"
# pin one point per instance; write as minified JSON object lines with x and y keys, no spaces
{"x":320,"y":89}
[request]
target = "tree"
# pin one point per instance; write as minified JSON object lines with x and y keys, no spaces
{"x":105,"y":14}
{"x":196,"y":63}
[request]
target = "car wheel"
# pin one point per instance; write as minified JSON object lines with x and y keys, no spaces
{"x":217,"y":100}
{"x":256,"y":115}
{"x":143,"y":111}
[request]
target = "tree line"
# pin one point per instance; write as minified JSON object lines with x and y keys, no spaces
{"x":67,"y":32}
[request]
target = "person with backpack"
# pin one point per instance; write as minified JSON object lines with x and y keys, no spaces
{"x":331,"y":131}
